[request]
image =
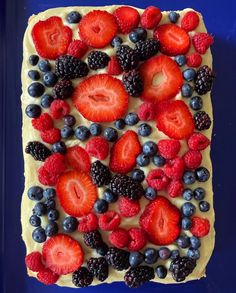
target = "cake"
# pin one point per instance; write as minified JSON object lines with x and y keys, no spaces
{"x":117,"y":123}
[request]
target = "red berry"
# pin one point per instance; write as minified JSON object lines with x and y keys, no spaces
{"x":147,"y":111}
{"x":190,"y":21}
{"x":194,"y":60}
{"x":157,"y":179}
{"x":46,"y":178}
{"x":33,"y":261}
{"x":151,"y":17}
{"x":51,"y":135}
{"x":198,"y":141}
{"x":138,"y":239}
{"x":77,"y":49}
{"x":88,"y":223}
{"x":200,"y":226}
{"x":47,"y":277}
{"x":127,"y":18}
{"x":168,"y":148}
{"x":59,"y":109}
{"x":77,"y":158}
{"x":128,"y":208}
{"x":202,"y":41}
{"x":174,"y":168}
{"x":51,"y":38}
{"x":43,"y":122}
{"x":119,"y":238}
{"x":113,"y":67}
{"x":175,"y":188}
{"x":109,"y":221}
{"x":55,"y":164}
{"x":97,"y":147}
{"x":192,"y":159}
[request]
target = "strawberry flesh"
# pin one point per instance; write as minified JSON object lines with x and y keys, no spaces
{"x":77,"y":158}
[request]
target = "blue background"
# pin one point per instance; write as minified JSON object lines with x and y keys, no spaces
{"x":221,"y":22}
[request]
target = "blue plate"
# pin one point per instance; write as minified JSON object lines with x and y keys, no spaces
{"x":221,"y":22}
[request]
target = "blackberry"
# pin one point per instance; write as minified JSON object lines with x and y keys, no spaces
{"x":69,"y":67}
{"x":118,"y":258}
{"x":100,"y":174}
{"x":98,"y":267}
{"x":202,"y":120}
{"x":135,"y":277}
{"x":98,"y":60}
{"x":37,"y":150}
{"x":126,"y":186}
{"x":133,"y":83}
{"x":148,"y":48}
{"x":63,"y":89}
{"x":181,"y":267}
{"x":204,"y":79}
{"x":93,"y":239}
{"x":82,"y":277}
{"x":127,"y":58}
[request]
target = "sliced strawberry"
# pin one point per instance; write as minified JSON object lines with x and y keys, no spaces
{"x":101,"y":98}
{"x":98,"y":28}
{"x":51,"y":38}
{"x":77,"y":158}
{"x":162,"y":79}
{"x":173,"y":39}
{"x":151,"y":17}
{"x":161,"y":221}
{"x":62,"y":254}
{"x":175,"y":120}
{"x":124,"y":153}
{"x":76,"y":193}
{"x":113,"y":67}
{"x":127,"y":18}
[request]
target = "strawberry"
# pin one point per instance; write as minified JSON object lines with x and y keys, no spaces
{"x":138,"y":239}
{"x":77,"y":158}
{"x":109,"y":221}
{"x":33,"y":261}
{"x":192,"y":159}
{"x":98,"y":28}
{"x":151,"y":17}
{"x":76,"y":193}
{"x":124,"y":153}
{"x":202,"y":41}
{"x":77,"y":49}
{"x":190,"y":21}
{"x":157,"y":179}
{"x":101,"y":98}
{"x":119,"y":238}
{"x":175,"y":188}
{"x":198,"y":141}
{"x":173,"y":39}
{"x":174,"y":169}
{"x":97,"y":147}
{"x":128,"y":208}
{"x":51,"y":38}
{"x":59,"y":109}
{"x":168,"y":148}
{"x":169,"y":80}
{"x":200,"y":226}
{"x":88,"y":223}
{"x":51,"y":135}
{"x":62,"y":254}
{"x":147,"y":111}
{"x":43,"y":122}
{"x":194,"y":60}
{"x":175,"y":120}
{"x":47,"y":277}
{"x":114,"y":67}
{"x":127,"y":18}
{"x":161,"y":221}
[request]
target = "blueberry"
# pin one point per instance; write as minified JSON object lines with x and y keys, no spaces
{"x":158,"y":161}
{"x":50,"y":204}
{"x":138,"y":34}
{"x":50,"y":79}
{"x":186,"y":90}
{"x":204,"y":206}
{"x":44,"y":65}
{"x":120,"y":124}
{"x":59,"y":147}
{"x":131,"y":119}
{"x":39,"y":235}
{"x":150,"y":148}
{"x":174,"y":254}
{"x":202,"y":174}
{"x":36,"y":89}
{"x":39,"y":209}
{"x":135,"y":258}
{"x":69,"y":120}
{"x":187,"y":194}
{"x":109,"y":196}
{"x":189,"y":74}
{"x":33,"y":111}
{"x":161,"y":272}
{"x":49,"y":193}
{"x":196,"y":103}
{"x":35,"y":193}
{"x":189,"y":177}
{"x":116,"y":42}
{"x":150,"y":255}
{"x":74,"y":17}
{"x":95,"y":129}
{"x":150,"y":193}
{"x":143,"y":160}
{"x":53,"y":215}
{"x":180,"y":60}
{"x":35,"y":221}
{"x":46,"y":101}
{"x":110,"y":134}
{"x":188,"y":209}
{"x":193,"y":253}
{"x":51,"y":229}
{"x":138,"y":175}
{"x":199,"y":193}
{"x":34,"y":74}
{"x":70,"y":224}
{"x":67,"y":131}
{"x":164,"y":253}
{"x":101,"y":206}
{"x":144,"y":129}
{"x":82,"y":133}
{"x":173,"y":16}
{"x":183,"y":241}
{"x":102,"y":250}
{"x":33,"y":60}
{"x":186,"y":223}
{"x":195,"y":242}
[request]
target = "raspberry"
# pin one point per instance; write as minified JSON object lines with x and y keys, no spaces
{"x":168,"y":148}
{"x":147,"y":112}
{"x":174,"y":169}
{"x":88,"y":223}
{"x":200,"y":226}
{"x":151,"y":17}
{"x":97,"y":147}
{"x":194,"y":60}
{"x":190,"y":21}
{"x":157,"y":179}
{"x":47,"y":277}
{"x":119,"y":238}
{"x":201,"y":42}
{"x":138,"y":239}
{"x":43,"y":122}
{"x":175,"y":188}
{"x":59,"y":109}
{"x":46,"y":178}
{"x":198,"y":141}
{"x":77,"y":49}
{"x":55,"y":164}
{"x":51,"y":135}
{"x":113,"y":67}
{"x":128,"y":208}
{"x":109,"y":221}
{"x":192,"y":159}
{"x":33,"y":261}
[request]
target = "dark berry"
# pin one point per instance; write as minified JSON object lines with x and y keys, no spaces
{"x":50,"y":79}
{"x":180,"y":60}
{"x":150,"y":193}
{"x":189,"y":177}
{"x":67,"y":131}
{"x":138,"y":175}
{"x":100,"y":174}
{"x":34,"y":75}
{"x":164,"y":253}
{"x":33,"y":111}
{"x":53,"y":215}
{"x":35,"y":221}
{"x":82,"y":133}
{"x":82,"y":277}
{"x":188,"y":209}
{"x":204,"y":80}
{"x":183,"y":241}
{"x":158,"y":161}
{"x":173,"y":16}
{"x":202,"y":174}
{"x":150,"y":148}
{"x":131,"y":119}
{"x":116,"y":42}
{"x":199,"y":193}
{"x":186,"y":223}
{"x":135,"y":258}
{"x":69,"y":120}
{"x":70,"y":224}
{"x":189,"y":74}
{"x":187,"y":194}
{"x":174,"y":254}
{"x":63,"y":89}
{"x":109,"y":196}
{"x":35,"y":193}
{"x":202,"y":120}
{"x":196,"y":103}
{"x":182,"y":267}
{"x":110,"y":134}
{"x":50,"y":204}
{"x":133,"y":83}
{"x":33,"y":60}
{"x":37,"y":150}
{"x":186,"y":90}
{"x":120,"y":124}
{"x":98,"y":267}
{"x":138,"y":34}
{"x":39,"y":235}
{"x":204,"y":206}
{"x":150,"y":255}
{"x":102,"y":249}
{"x":136,"y":277}
{"x":36,"y":89}
{"x":98,"y":60}
{"x":127,"y":57}
{"x":147,"y":49}
{"x":44,"y":65}
{"x":73,"y":17}
{"x":144,"y":129}
{"x":118,"y":258}
{"x":193,"y":253}
{"x":143,"y":160}
{"x":195,"y":242}
{"x":49,"y":193}
{"x":101,"y":206}
{"x":59,"y":147}
{"x":46,"y":101}
{"x":51,"y":229}
{"x":93,"y":239}
{"x":95,"y":129}
{"x":161,"y":272}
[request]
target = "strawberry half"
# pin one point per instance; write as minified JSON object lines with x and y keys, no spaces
{"x":51,"y":38}
{"x":101,"y":98}
{"x":175,"y":120}
{"x":124,"y":153}
{"x":62,"y":254}
{"x":173,"y":39}
{"x":77,"y":158}
{"x":76,"y":193}
{"x":127,"y":18}
{"x":161,"y":221}
{"x":162,"y":79}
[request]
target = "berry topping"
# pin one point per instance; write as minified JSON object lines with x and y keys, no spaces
{"x":109,"y":221}
{"x":119,"y":238}
{"x":131,"y":119}
{"x":138,"y":175}
{"x":33,"y":60}
{"x":175,"y":188}
{"x":33,"y":261}
{"x":73,"y":17}
{"x":161,"y":272}
{"x":194,"y":60}
{"x":97,"y":147}
{"x":136,"y":277}
{"x":37,"y":150}
{"x":127,"y":18}
{"x":98,"y":267}
{"x":181,"y":267}
{"x":127,"y":57}
{"x":147,"y":111}
{"x":59,"y":109}
{"x":138,"y":34}
{"x":151,"y":17}
{"x":116,"y":42}
{"x":135,"y":258}
{"x":77,"y":49}
{"x":46,"y":178}
{"x":39,"y":235}
{"x":36,"y":89}
{"x":100,"y":174}
{"x":46,"y":101}
{"x":113,"y":67}
{"x":190,"y":21}
{"x":98,"y":60}
{"x":47,"y":277}
{"x":148,"y":48}
{"x":201,"y":42}
{"x":88,"y":223}
{"x":70,"y":224}
{"x":157,"y":179}
{"x":33,"y":111}
{"x":192,"y":159}
{"x":51,"y":135}
{"x":198,"y":141}
{"x":128,"y":208}
{"x":174,"y":168}
{"x":82,"y":277}
{"x":204,"y":80}
{"x":82,"y":133}
{"x":55,"y":164}
{"x":202,"y":120}
{"x":43,"y":122}
{"x":144,"y":129}
{"x":138,"y":239}
{"x":118,"y":258}
{"x":63,"y":89}
{"x":77,"y":158}
{"x":101,"y":206}
{"x":133,"y":83}
{"x":95,"y":129}
{"x":173,"y":16}
{"x":93,"y":239}
{"x":110,"y":134}
{"x":168,"y":148}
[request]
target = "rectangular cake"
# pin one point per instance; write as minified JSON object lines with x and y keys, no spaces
{"x":117,"y":123}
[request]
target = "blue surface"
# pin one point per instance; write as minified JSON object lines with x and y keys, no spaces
{"x":221,"y":22}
